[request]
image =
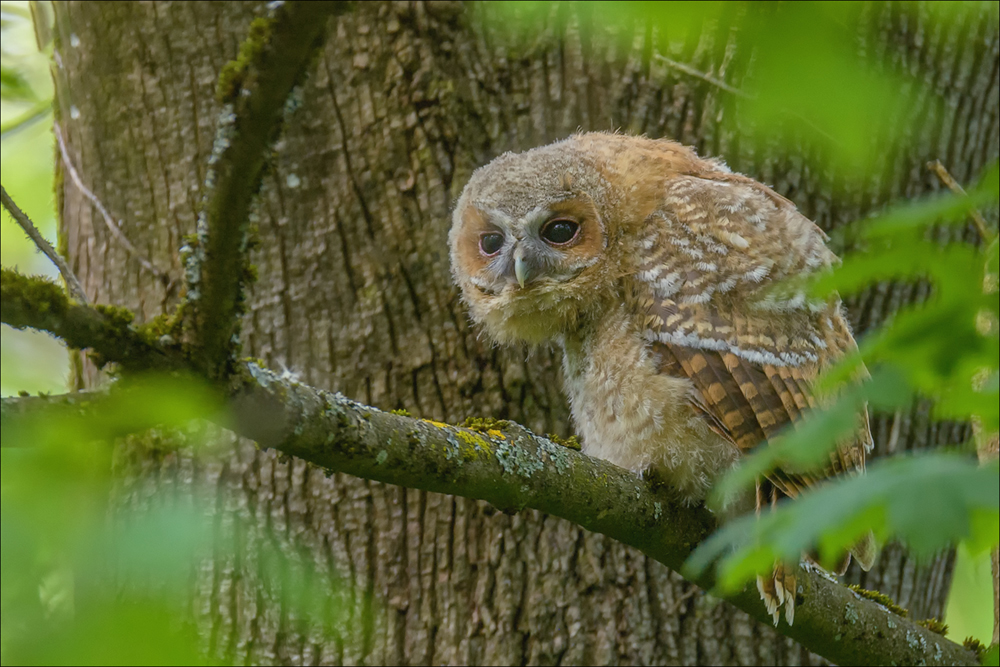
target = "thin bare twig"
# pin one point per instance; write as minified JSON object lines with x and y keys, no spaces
{"x":113,"y":227}
{"x":952,"y":184}
{"x":25,"y":120}
{"x":897,"y":420}
{"x":21,"y":218}
{"x":692,"y":589}
{"x":722,"y":85}
{"x":687,"y":69}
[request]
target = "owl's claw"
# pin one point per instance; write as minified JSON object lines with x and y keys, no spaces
{"x":777,"y":590}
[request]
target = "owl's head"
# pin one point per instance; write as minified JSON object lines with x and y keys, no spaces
{"x":529,"y":242}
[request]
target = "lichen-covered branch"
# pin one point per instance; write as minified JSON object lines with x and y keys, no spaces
{"x":107,"y":331}
{"x":255,"y":91}
{"x":513,"y":469}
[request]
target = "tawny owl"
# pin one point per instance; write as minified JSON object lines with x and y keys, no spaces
{"x":650,"y":268}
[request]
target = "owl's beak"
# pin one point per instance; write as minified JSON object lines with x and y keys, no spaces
{"x":520,"y":267}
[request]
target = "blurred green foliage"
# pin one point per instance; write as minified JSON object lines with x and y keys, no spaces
{"x":78,"y":588}
{"x":805,"y":76}
{"x":18,"y":68}
{"x":88,"y":580}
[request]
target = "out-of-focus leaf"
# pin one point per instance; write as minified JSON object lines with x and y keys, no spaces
{"x":79,"y":588}
{"x":952,"y":267}
{"x":927,"y":501}
{"x":937,"y":208}
{"x":14,"y":86}
{"x":677,"y":22}
{"x":133,"y":406}
{"x":157,"y":545}
{"x":141,"y":632}
{"x":809,"y":79}
{"x":15,"y":68}
{"x":808,"y":445}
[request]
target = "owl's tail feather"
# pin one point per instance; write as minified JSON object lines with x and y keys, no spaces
{"x":865,"y":551}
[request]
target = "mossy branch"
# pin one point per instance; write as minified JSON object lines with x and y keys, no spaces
{"x":255,"y":91}
{"x":106,"y":330}
{"x":513,"y":469}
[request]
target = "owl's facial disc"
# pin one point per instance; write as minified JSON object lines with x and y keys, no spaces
{"x":546,"y":246}
{"x":523,"y":272}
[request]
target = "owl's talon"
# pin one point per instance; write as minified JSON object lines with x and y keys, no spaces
{"x":778,"y":590}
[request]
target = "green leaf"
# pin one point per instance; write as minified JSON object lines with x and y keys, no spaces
{"x":808,"y":445}
{"x":75,"y":583}
{"x":928,"y":501}
{"x":850,"y":108}
{"x":14,"y":86}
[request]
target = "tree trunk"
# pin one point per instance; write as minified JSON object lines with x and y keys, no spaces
{"x":355,"y":295}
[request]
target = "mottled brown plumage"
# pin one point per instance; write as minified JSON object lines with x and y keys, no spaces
{"x":655,"y":271}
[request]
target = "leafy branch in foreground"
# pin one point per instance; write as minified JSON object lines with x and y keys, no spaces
{"x":926,"y":501}
{"x":945,"y":349}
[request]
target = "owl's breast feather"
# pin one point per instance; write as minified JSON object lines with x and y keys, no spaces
{"x":628,"y":413}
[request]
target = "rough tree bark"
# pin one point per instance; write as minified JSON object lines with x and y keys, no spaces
{"x":355,"y":295}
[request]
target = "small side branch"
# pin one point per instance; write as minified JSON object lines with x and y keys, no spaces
{"x":109,"y":222}
{"x":977,"y":218}
{"x":72,"y":284}
{"x":254,"y":90}
{"x":40,"y":304}
{"x":690,"y":71}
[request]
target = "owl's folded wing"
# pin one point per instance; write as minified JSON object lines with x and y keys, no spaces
{"x":752,"y":354}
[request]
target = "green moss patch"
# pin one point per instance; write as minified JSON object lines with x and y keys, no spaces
{"x":881,"y":598}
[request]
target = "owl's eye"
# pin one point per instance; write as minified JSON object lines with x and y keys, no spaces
{"x":560,"y":231}
{"x":490,"y":243}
